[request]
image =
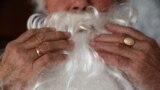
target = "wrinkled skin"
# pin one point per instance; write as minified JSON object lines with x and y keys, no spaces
{"x":21,"y":64}
{"x":140,"y":62}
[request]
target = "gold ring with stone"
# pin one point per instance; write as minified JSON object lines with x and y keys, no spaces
{"x":129,"y":41}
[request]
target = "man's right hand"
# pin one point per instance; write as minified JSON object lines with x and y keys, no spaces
{"x":21,"y":64}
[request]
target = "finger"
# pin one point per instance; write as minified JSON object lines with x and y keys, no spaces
{"x":145,"y":46}
{"x":115,"y":38}
{"x":29,"y":33}
{"x":57,"y":47}
{"x":32,"y":55}
{"x":128,"y":31}
{"x":53,"y":46}
{"x":115,"y":60}
{"x":115,"y":48}
{"x":40,"y":37}
{"x":49,"y":59}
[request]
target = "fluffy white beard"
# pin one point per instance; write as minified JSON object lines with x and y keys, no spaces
{"x":84,"y":70}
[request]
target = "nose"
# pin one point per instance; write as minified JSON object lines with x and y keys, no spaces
{"x":79,"y":5}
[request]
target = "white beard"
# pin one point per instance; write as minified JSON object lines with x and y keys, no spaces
{"x":84,"y":70}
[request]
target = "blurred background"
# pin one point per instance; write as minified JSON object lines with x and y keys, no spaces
{"x":13,"y":18}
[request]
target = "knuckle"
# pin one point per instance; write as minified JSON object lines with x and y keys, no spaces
{"x":47,"y":57}
{"x":120,"y":46}
{"x":40,"y":37}
{"x":12,"y":46}
{"x":119,"y":61}
{"x":64,"y":42}
{"x":141,"y":55}
{"x":15,"y":49}
{"x":45,"y":46}
{"x":122,"y":35}
{"x":45,"y":60}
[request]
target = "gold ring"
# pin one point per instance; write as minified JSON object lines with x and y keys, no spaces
{"x":129,"y":41}
{"x":38,"y":52}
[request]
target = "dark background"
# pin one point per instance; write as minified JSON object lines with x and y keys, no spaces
{"x":13,"y":18}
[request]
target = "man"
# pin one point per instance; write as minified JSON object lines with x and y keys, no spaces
{"x":28,"y":55}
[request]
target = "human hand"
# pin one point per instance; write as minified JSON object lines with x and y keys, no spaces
{"x":20,"y":63}
{"x":141,"y":62}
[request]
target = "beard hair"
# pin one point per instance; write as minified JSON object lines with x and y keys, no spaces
{"x":84,"y":69}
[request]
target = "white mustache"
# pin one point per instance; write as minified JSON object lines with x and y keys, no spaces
{"x":123,"y":14}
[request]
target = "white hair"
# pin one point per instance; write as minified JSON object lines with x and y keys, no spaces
{"x":84,"y":70}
